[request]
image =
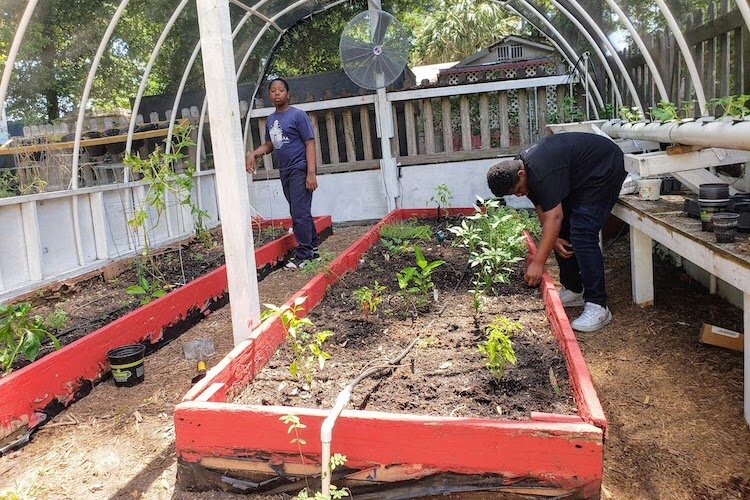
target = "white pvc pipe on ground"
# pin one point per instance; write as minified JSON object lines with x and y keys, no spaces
{"x":686,"y":55}
{"x":612,"y":51}
{"x":591,"y":85}
{"x":717,"y":133}
{"x":13,"y":52}
{"x":663,"y":94}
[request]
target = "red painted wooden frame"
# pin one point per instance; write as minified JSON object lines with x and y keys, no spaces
{"x":59,"y":378}
{"x":553,"y":450}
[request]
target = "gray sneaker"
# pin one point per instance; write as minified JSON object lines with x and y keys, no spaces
{"x":570,"y":298}
{"x":593,"y":318}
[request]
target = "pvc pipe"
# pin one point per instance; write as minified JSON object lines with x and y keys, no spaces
{"x":13,"y":52}
{"x":146,"y":74}
{"x":595,"y":46}
{"x":87,"y":88}
{"x":611,"y":49}
{"x":663,"y":94}
{"x":717,"y":133}
{"x":555,"y":33}
{"x":744,"y":7}
{"x":686,"y":55}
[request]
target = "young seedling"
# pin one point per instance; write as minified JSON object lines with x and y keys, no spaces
{"x":398,"y":237}
{"x":442,"y":198}
{"x":665,"y":111}
{"x":307,"y":347}
{"x":418,"y":279}
{"x":498,"y":349}
{"x":22,"y":333}
{"x":631,"y":115}
{"x":369,"y":299}
{"x":146,"y":291}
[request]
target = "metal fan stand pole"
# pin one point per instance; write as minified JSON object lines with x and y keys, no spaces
{"x":384,"y":122}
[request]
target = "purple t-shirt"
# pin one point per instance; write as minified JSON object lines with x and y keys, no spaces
{"x":288,"y":130}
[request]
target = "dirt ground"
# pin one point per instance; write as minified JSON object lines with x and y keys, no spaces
{"x":674,"y":406}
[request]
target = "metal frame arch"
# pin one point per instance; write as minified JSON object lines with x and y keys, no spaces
{"x":663,"y":94}
{"x":87,"y":87}
{"x":686,"y":55}
{"x":611,"y":49}
{"x":744,"y":7}
{"x":562,"y":39}
{"x":13,"y":52}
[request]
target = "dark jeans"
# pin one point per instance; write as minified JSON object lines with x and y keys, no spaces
{"x":300,"y":200}
{"x":585,"y":270}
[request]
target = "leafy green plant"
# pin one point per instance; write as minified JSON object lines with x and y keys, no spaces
{"x":20,"y":332}
{"x":369,"y":298}
{"x":569,"y":111}
{"x":442,"y":198}
{"x":631,"y":115}
{"x":497,"y":349}
{"x":607,"y":112}
{"x":8,"y":185}
{"x":398,"y":237}
{"x":146,"y":290}
{"x":733,"y":105}
{"x":315,"y":266}
{"x":418,"y":279}
{"x":665,"y":111}
{"x":306,"y":346}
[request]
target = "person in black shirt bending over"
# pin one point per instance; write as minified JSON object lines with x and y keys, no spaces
{"x":574,"y":180}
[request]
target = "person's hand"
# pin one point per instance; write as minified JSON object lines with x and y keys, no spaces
{"x":250,"y":163}
{"x":311,"y":183}
{"x":563,"y":248}
{"x":534,"y":273}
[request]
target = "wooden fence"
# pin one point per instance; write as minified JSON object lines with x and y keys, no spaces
{"x":720,"y":44}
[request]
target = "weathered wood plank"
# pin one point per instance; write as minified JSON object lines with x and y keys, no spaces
{"x":396,"y":141}
{"x":364,"y":122}
{"x":316,"y":132}
{"x":484,"y":120}
{"x":465,"y":123}
{"x":429,"y":127}
{"x":502,"y":112}
{"x":541,"y":110}
{"x":523,"y":117}
{"x":333,"y":144}
{"x":331,"y":168}
{"x":267,"y":159}
{"x":722,"y":48}
{"x":351,"y":154}
{"x":709,"y":77}
{"x":411,"y":132}
{"x":477,"y":154}
{"x":713,"y":27}
{"x":447,"y":126}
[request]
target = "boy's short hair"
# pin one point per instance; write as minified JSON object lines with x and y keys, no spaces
{"x":502,"y":177}
{"x":286,"y":85}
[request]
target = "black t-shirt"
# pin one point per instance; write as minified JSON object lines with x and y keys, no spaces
{"x":573,"y":168}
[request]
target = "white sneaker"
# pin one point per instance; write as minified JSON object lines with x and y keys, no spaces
{"x":592,"y":318}
{"x":570,"y":298}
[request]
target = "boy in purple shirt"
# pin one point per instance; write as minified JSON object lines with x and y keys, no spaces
{"x":289,"y":134}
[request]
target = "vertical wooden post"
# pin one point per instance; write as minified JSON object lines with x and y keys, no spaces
{"x":396,"y":140}
{"x":523,"y":117}
{"x":364,"y":123}
{"x":484,"y":120}
{"x":465,"y":123}
{"x":32,"y":239}
{"x":99,"y":219}
{"x":445,"y":104}
{"x":641,"y":268}
{"x":231,"y":180}
{"x":267,"y":159}
{"x":502,"y":116}
{"x":710,"y":44}
{"x":723,"y":48}
{"x":333,"y":144}
{"x":316,"y":133}
{"x":541,"y":110}
{"x":411,"y":132}
{"x":429,"y":128}
{"x":351,"y":155}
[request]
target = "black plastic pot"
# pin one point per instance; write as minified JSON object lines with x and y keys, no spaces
{"x":743,"y":225}
{"x":94,"y":150}
{"x":114,"y":148}
{"x":151,"y":143}
{"x":692,"y":208}
{"x":725,"y":226}
{"x":708,"y":209}
{"x":127,"y":364}
{"x":714,"y":191}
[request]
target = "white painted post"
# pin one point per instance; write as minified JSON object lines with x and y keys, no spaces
{"x":99,"y":218}
{"x":641,"y":268}
{"x":231,"y":179}
{"x":32,"y":239}
{"x":746,"y":316}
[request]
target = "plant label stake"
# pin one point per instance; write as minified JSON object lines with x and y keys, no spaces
{"x":198,"y":350}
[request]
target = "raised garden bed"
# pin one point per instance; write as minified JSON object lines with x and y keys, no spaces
{"x":399,"y":451}
{"x":33,"y":394}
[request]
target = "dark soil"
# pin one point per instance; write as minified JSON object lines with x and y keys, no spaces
{"x":92,"y":303}
{"x":444,"y":373}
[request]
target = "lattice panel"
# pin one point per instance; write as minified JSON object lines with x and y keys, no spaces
{"x":511,"y":72}
{"x":513,"y":104}
{"x":530,"y":71}
{"x":551,"y":93}
{"x":453,"y":80}
{"x":550,"y":69}
{"x":472,"y":77}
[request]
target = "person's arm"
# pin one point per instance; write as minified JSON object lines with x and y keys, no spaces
{"x":551,"y":223}
{"x":562,"y":246}
{"x":311,"y":182}
{"x":257,"y":153}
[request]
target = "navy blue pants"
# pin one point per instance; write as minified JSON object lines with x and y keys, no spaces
{"x":585,"y":269}
{"x":300,"y":200}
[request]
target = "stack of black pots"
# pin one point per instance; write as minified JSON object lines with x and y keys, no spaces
{"x":713,"y":199}
{"x":740,"y":204}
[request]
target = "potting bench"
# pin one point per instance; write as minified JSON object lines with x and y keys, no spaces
{"x":661,"y":221}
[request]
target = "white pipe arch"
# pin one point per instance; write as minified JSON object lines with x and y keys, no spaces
{"x":562,"y":39}
{"x":744,"y":7}
{"x":610,"y":48}
{"x":13,"y":52}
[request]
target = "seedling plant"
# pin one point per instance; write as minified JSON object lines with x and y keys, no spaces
{"x":665,"y":111}
{"x":146,"y":291}
{"x":631,"y":115}
{"x":442,"y":198}
{"x":497,"y":349}
{"x":369,"y":298}
{"x":418,"y":279}
{"x":733,"y":105}
{"x":20,"y":332}
{"x":398,"y":237}
{"x":307,"y":347}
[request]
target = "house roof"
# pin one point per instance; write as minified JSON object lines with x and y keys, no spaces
{"x":467,"y":61}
